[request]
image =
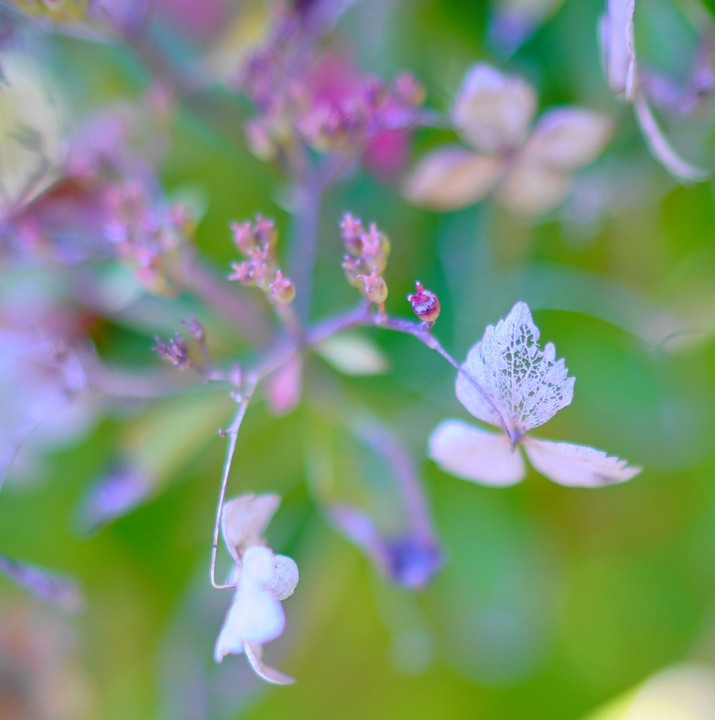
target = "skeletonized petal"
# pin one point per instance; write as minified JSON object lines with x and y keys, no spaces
{"x":493,"y":111}
{"x":264,"y":672}
{"x":474,"y":454}
{"x":566,"y":138}
{"x":577,"y":465}
{"x":245,"y":518}
{"x":617,"y":47}
{"x":530,"y":189}
{"x":450,"y":178}
{"x":526,"y":384}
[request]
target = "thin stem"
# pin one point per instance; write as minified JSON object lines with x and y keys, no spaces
{"x":384,"y":442}
{"x":207,"y":285}
{"x":308,"y":196}
{"x":232,"y":433}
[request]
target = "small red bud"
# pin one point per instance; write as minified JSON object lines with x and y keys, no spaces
{"x":425,"y":304}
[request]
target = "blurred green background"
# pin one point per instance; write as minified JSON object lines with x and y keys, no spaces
{"x":553,"y":602}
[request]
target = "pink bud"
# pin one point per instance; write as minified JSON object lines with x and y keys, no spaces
{"x":425,"y":304}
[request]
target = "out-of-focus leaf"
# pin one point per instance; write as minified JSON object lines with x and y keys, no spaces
{"x":353,"y":354}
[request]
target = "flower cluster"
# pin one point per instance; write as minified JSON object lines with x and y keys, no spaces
{"x":257,"y":241}
{"x":148,"y":238}
{"x":305,"y":96}
{"x":528,"y":169}
{"x":262,"y":580}
{"x":366,"y":259}
{"x":509,"y":381}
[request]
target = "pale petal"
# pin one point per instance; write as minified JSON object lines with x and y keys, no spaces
{"x":473,"y":454}
{"x":451,"y":178}
{"x":533,"y":189}
{"x":577,"y":465}
{"x":526,"y":385}
{"x":566,"y":138}
{"x":493,"y":111}
{"x":285,"y":577}
{"x":616,"y":36}
{"x":269,"y":674}
{"x":353,"y":354}
{"x":659,"y":146}
{"x":245,"y":518}
{"x":254,"y":616}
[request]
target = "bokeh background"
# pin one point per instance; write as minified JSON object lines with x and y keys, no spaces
{"x":553,"y":603}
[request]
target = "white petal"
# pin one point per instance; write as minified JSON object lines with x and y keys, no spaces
{"x":451,"y":178}
{"x":533,"y":189}
{"x":264,"y":672}
{"x":285,"y":577}
{"x":526,"y":384}
{"x":659,"y":146}
{"x":245,"y":518}
{"x":566,"y":138}
{"x":474,"y":454}
{"x":254,"y":616}
{"x":577,"y":465}
{"x":616,"y":35}
{"x":493,"y":111}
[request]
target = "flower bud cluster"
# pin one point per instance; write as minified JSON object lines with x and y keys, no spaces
{"x":314,"y":98}
{"x":257,"y":241}
{"x":173,"y":351}
{"x":146,"y":237}
{"x":366,"y":259}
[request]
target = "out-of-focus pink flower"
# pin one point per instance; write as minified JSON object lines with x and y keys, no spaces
{"x":528,"y":168}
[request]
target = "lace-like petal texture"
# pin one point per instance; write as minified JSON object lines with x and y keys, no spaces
{"x":525,"y":385}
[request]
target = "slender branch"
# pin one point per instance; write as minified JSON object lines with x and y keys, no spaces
{"x":232,"y":433}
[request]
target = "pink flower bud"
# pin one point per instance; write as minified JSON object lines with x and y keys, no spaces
{"x":374,"y":287}
{"x":425,"y":304}
{"x":282,"y":289}
{"x":264,"y":230}
{"x":352,"y":231}
{"x":243,"y":272}
{"x":174,"y":352}
{"x":243,"y":237}
{"x":354,"y":270}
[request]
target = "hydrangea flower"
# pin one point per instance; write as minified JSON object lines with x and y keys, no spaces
{"x":262,"y":580}
{"x":510,"y":382}
{"x":528,"y":169}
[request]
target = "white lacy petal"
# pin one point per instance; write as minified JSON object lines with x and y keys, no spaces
{"x":244,"y":520}
{"x":525,"y":383}
{"x":473,"y":454}
{"x":530,"y":189}
{"x":659,"y":146}
{"x":566,"y":138}
{"x":285,"y":577}
{"x":493,"y":111}
{"x":577,"y":465}
{"x":264,"y":672}
{"x":450,"y":178}
{"x":616,"y":36}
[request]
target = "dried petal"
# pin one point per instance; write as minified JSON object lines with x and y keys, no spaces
{"x":566,"y":138}
{"x":473,"y":454}
{"x":269,"y":674}
{"x":285,"y":577}
{"x":493,"y":111}
{"x":577,"y":465}
{"x":451,"y":178}
{"x":533,"y":189}
{"x":527,"y":385}
{"x":244,"y":520}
